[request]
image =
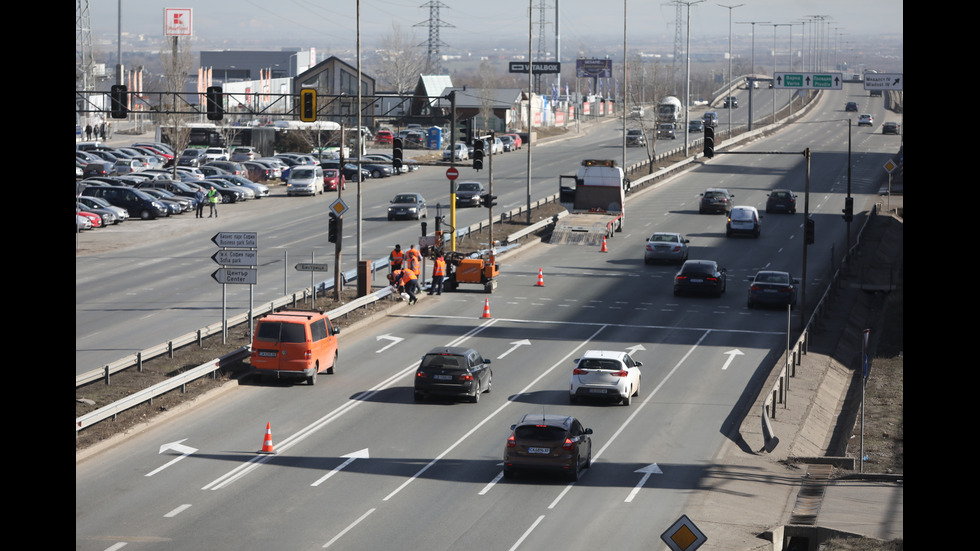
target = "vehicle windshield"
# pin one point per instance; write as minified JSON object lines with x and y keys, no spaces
{"x":403,"y":199}
{"x":467,"y":186}
{"x":302,"y":174}
{"x":275,"y":331}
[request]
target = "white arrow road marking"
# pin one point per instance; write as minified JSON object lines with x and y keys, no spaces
{"x":731,"y":356}
{"x":177,"y":447}
{"x":362,"y":454}
{"x":632,"y":350}
{"x":516,"y":344}
{"x":395,"y":340}
{"x":647,"y":471}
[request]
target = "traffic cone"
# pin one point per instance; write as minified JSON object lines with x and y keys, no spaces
{"x":603,"y":249}
{"x":486,"y":309}
{"x":540,"y":282}
{"x":267,"y":443}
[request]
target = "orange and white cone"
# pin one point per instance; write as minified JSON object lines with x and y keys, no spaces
{"x":486,"y":309}
{"x":267,"y":443}
{"x":603,"y":249}
{"x":540,"y":282}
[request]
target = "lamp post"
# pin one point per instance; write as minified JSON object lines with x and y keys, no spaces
{"x":730,"y":56}
{"x":752,"y":68}
{"x":687,"y":76}
{"x":774,"y":25}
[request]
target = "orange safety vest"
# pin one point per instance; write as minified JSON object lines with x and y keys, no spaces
{"x":440,"y":268}
{"x":407,"y":275}
{"x":412,"y":261}
{"x":396,"y":257}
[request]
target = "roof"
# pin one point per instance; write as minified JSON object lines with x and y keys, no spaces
{"x":546,"y":419}
{"x":611,"y":354}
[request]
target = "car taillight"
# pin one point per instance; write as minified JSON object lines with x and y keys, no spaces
{"x":420,"y":375}
{"x":680,"y":277}
{"x":621,"y":373}
{"x":578,"y":371}
{"x":467,"y":377}
{"x":569,"y":444}
{"x":510,"y":442}
{"x":308,"y":354}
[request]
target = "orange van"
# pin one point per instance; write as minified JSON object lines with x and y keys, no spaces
{"x":294,"y":344}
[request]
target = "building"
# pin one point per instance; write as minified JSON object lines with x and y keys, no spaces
{"x":335,"y":81}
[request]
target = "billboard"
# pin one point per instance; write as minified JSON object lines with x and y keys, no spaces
{"x":177,"y":22}
{"x":590,"y":68}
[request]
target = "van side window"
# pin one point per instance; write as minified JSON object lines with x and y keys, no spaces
{"x":318,"y":330}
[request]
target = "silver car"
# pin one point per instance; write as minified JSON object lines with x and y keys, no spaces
{"x":666,"y":247}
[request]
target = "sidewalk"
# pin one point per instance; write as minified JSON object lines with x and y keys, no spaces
{"x":752,"y":500}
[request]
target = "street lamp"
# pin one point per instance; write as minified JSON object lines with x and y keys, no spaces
{"x":752,"y":68}
{"x":730,"y":56}
{"x":687,"y":77}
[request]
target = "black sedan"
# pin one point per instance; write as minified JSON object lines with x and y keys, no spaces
{"x":700,"y":277}
{"x":410,"y":206}
{"x":772,"y":288}
{"x":453,"y":371}
{"x":781,"y":200}
{"x":468,"y":194}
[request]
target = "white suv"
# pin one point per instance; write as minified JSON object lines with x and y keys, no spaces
{"x":605,"y":374}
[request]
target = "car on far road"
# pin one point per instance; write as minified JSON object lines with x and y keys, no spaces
{"x":665,"y":131}
{"x":666,"y":247}
{"x":332,"y":178}
{"x":605,"y":375}
{"x":715,"y":200}
{"x":851,"y":106}
{"x":772,"y":288}
{"x":457,"y":151}
{"x":890,"y":128}
{"x":710,"y":119}
{"x":509,"y":143}
{"x":696,"y":125}
{"x":518,"y":142}
{"x":700,"y":277}
{"x":635,"y":138}
{"x":410,"y":206}
{"x":781,"y":200}
{"x":453,"y":371}
{"x":468,"y":194}
{"x":865,"y":119}
{"x":743,"y":220}
{"x":548,"y":442}
{"x":731,"y":102}
{"x":383,"y":137}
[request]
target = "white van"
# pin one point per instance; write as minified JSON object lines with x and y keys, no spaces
{"x":305,"y":180}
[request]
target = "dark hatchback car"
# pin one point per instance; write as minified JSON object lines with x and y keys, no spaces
{"x":468,"y":194}
{"x":851,"y":106}
{"x":700,"y":277}
{"x":548,"y":442}
{"x":772,"y":288}
{"x":781,"y":200}
{"x":716,"y":200}
{"x":453,"y":371}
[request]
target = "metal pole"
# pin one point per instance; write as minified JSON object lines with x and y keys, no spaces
{"x":730,"y":56}
{"x":530,"y":110}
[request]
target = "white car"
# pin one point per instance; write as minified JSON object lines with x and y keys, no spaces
{"x":216,"y":154}
{"x":865,"y":119}
{"x":607,"y":375}
{"x":461,"y":151}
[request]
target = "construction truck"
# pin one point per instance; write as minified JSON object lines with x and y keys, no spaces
{"x":670,"y":109}
{"x":595,"y":198}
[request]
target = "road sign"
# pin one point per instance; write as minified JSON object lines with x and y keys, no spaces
{"x":452,"y":173}
{"x":883,"y":81}
{"x":311,"y":267}
{"x":338,"y":207}
{"x":808,"y":81}
{"x":539,"y":67}
{"x":683,"y":535}
{"x":236,"y":240}
{"x":236,"y":257}
{"x":235,"y":276}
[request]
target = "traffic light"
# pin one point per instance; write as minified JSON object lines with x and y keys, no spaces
{"x":333,"y":229}
{"x":709,"y":142}
{"x":488,"y":200}
{"x":396,"y":153}
{"x":215,"y":103}
{"x":307,"y":105}
{"x":478,"y":153}
{"x":118,"y":101}
{"x":808,"y":230}
{"x":848,"y":209}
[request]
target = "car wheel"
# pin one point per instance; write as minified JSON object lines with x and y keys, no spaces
{"x":572,"y":399}
{"x":489,"y":383}
{"x":311,"y":380}
{"x":627,"y":399}
{"x":508,"y":473}
{"x":476,"y":396}
{"x":588,"y":460}
{"x":145,"y":215}
{"x":330,"y":370}
{"x":376,"y":174}
{"x":576,"y":472}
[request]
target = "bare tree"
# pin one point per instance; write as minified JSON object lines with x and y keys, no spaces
{"x":177,"y":64}
{"x":488,"y":80}
{"x":401,"y":62}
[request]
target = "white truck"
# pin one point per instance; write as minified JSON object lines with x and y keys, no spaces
{"x":670,"y":109}
{"x":595,"y":198}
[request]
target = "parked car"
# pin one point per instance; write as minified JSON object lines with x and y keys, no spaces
{"x":407,"y":205}
{"x":305,"y":180}
{"x":743,"y":220}
{"x":216,"y":154}
{"x":772,"y":288}
{"x":453,"y":371}
{"x":349,"y":170}
{"x":701,"y":277}
{"x":98,"y":168}
{"x":781,"y":200}
{"x":138,"y":204}
{"x":192,"y":156}
{"x":865,"y":119}
{"x":468,"y":194}
{"x":509,"y":143}
{"x":605,"y":375}
{"x":383,"y":137}
{"x":459,"y":150}
{"x":231,"y":167}
{"x":666,"y":247}
{"x":176,"y":187}
{"x":548,"y":442}
{"x":259,"y":190}
{"x":414,"y":140}
{"x":715,"y":200}
{"x":230,"y":193}
{"x":82,"y":222}
{"x":91,"y":203}
{"x":518,"y":141}
{"x":376,"y":170}
{"x":173,"y":205}
{"x":890,"y":128}
{"x":242,"y":154}
{"x":257,"y":172}
{"x":96,"y":219}
{"x":332,"y":178}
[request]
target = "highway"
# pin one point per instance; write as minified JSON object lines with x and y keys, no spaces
{"x":360,"y":465}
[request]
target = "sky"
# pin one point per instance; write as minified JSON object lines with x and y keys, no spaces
{"x":332,"y":24}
